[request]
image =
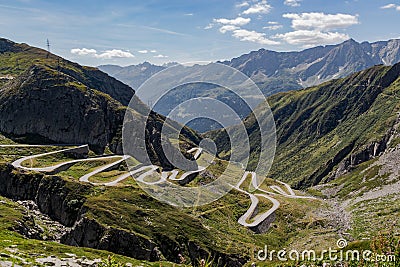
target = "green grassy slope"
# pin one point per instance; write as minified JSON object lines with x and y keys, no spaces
{"x":319,"y":127}
{"x":341,"y":141}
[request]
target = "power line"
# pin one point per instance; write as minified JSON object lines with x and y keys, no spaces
{"x":48,"y":48}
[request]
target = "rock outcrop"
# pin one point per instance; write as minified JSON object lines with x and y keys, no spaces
{"x":42,"y":105}
{"x":62,"y":201}
{"x":89,"y":233}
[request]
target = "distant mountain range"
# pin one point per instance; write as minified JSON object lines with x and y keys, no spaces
{"x":284,"y":71}
{"x":133,"y":75}
{"x":275,"y":71}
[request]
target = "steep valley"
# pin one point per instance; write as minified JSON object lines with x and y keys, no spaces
{"x":64,"y":178}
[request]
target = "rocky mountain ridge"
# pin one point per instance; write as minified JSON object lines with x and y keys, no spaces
{"x":315,"y":65}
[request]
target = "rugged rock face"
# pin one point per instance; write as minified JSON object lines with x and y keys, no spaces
{"x":37,"y":225}
{"x":58,"y":109}
{"x":60,"y":200}
{"x":89,"y":233}
{"x":28,"y":228}
{"x":365,"y":153}
{"x":265,"y":225}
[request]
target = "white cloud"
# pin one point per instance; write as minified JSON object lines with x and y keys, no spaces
{"x":239,"y":21}
{"x":160,"y":56}
{"x":390,"y":6}
{"x":273,"y":27}
{"x":273,"y":22}
{"x":243,"y":4}
{"x":108,"y":54}
{"x":292,"y":3}
{"x":253,"y":36}
{"x":308,"y":38}
{"x":259,"y":8}
{"x":234,"y":26}
{"x":115,"y":53}
{"x":188,"y":14}
{"x":83,"y":51}
{"x":321,"y":21}
{"x":314,"y":28}
{"x":226,"y":28}
{"x":145,"y":51}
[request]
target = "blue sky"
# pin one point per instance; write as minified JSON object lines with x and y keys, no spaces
{"x":130,"y":32}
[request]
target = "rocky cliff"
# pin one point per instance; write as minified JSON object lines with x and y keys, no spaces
{"x":54,"y":106}
{"x":61,"y":200}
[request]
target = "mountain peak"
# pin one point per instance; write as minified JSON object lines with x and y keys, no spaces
{"x":349,"y":42}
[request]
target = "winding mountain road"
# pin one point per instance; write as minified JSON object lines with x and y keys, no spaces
{"x":259,"y":218}
{"x":251,"y":218}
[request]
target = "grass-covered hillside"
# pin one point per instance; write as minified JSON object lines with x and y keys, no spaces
{"x":323,"y":130}
{"x":340,"y":141}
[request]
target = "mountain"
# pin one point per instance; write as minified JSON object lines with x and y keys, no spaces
{"x":284,"y":71}
{"x":340,"y":140}
{"x":272,"y":71}
{"x":315,"y":65}
{"x":45,"y":98}
{"x":133,"y":75}
{"x":318,"y":128}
